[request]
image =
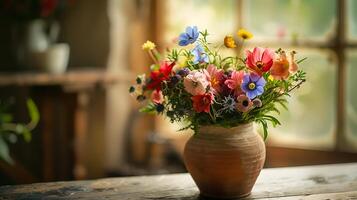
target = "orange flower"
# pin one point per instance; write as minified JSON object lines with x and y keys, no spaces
{"x":229,"y":42}
{"x":293,"y":65}
{"x":280,"y":68}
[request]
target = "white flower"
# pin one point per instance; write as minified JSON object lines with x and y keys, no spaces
{"x":196,"y":83}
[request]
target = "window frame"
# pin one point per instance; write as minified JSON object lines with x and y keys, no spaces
{"x":338,"y":44}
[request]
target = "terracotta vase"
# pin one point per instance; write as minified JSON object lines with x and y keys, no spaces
{"x":225,"y":162}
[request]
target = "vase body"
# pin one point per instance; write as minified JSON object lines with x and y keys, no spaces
{"x":225,"y":162}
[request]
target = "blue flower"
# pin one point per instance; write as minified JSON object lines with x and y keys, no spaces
{"x":253,"y":85}
{"x":189,"y":37}
{"x":199,"y":55}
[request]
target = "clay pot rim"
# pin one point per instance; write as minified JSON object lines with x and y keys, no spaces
{"x":213,"y":129}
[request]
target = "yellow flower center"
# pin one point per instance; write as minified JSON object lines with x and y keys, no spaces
{"x":251,"y":86}
{"x":214,"y":82}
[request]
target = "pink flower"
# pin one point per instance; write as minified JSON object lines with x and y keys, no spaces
{"x":157,"y":97}
{"x":260,"y":60}
{"x":235,"y":81}
{"x":280,"y":68}
{"x":202,"y":103}
{"x":215,"y":77}
{"x":196,"y":82}
{"x":244,"y":104}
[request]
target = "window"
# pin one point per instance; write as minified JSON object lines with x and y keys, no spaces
{"x":351,"y":101}
{"x":323,"y":115}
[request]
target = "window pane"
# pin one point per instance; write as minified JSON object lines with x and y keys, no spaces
{"x":351,"y":103}
{"x":290,"y":19}
{"x":352,"y":19}
{"x":217,"y":17}
{"x":310,"y":120}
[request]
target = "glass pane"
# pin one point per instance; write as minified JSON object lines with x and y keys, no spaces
{"x":351,"y":103}
{"x":310,"y":121}
{"x":352,"y":19}
{"x":217,"y":17}
{"x":290,"y":19}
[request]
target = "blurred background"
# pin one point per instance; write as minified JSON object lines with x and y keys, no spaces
{"x":76,"y":60}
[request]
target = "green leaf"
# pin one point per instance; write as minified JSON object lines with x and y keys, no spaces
{"x":265,"y":129}
{"x":6,"y":118}
{"x":26,"y":134}
{"x":301,"y":60}
{"x":272,"y":119}
{"x":33,"y":112}
{"x":154,"y":67}
{"x":4,"y":152}
{"x":150,"y":108}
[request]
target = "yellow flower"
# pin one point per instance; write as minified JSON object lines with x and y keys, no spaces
{"x":229,"y":42}
{"x":182,"y":61}
{"x":148,"y":45}
{"x":244,"y":34}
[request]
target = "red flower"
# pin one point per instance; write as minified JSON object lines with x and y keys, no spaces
{"x":157,"y":77}
{"x":202,"y":103}
{"x":48,"y":7}
{"x":260,"y":60}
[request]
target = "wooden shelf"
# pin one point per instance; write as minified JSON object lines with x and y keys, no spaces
{"x":86,"y":76}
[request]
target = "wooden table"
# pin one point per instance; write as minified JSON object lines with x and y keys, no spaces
{"x":338,"y":181}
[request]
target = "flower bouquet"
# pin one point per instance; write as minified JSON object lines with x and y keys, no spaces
{"x":219,"y":97}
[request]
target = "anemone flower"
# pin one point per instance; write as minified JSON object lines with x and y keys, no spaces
{"x":188,"y":37}
{"x":253,"y":85}
{"x":202,"y":103}
{"x":257,"y":103}
{"x":244,"y":104}
{"x":199,"y":55}
{"x":260,"y":60}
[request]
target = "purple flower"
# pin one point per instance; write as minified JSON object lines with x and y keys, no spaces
{"x":174,"y":80}
{"x":253,"y":85}
{"x":199,"y":55}
{"x":188,"y":37}
{"x":183,"y":72}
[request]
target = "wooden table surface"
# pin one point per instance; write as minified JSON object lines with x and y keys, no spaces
{"x":337,"y":181}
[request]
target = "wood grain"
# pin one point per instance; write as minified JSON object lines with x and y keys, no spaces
{"x":80,"y":76}
{"x":337,"y":181}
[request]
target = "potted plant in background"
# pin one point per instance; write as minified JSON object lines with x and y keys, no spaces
{"x":219,"y":97}
{"x":35,"y":33}
{"x":10,"y":130}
